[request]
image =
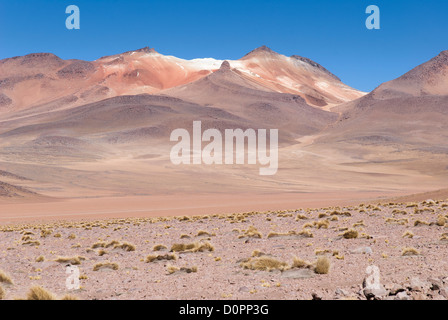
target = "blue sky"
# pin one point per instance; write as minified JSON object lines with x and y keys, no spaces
{"x":331,"y":32}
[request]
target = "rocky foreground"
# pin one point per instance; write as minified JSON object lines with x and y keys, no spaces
{"x":371,"y":251}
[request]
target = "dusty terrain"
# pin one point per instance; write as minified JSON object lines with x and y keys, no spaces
{"x":86,"y":142}
{"x":407,"y":242}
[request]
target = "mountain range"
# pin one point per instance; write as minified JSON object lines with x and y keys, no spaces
{"x":76,"y":128}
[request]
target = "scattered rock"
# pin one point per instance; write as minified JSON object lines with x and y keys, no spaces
{"x":316,"y":296}
{"x":436,"y":284}
{"x":444,"y":292}
{"x":402,"y":295}
{"x":419,"y":285}
{"x":341,"y":292}
{"x":395,"y":289}
{"x":298,"y":274}
{"x":375,"y":293}
{"x":362,"y":250}
{"x":244,"y":289}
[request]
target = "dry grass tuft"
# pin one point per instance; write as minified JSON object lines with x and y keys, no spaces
{"x":410,"y":252}
{"x":192,"y":247}
{"x":168,"y":256}
{"x":39,"y":293}
{"x":300,"y":264}
{"x":69,"y":297}
{"x":444,"y":236}
{"x":173,"y":269}
{"x":251,"y":232}
{"x":71,"y":260}
{"x":2,"y":293}
{"x":350,"y":234}
{"x":126,"y":246}
{"x":441,"y":220}
{"x":105,"y":265}
{"x":264,"y":263}
{"x":408,"y":234}
{"x":5,"y":278}
{"x":322,"y":265}
{"x":159,"y":247}
{"x":420,"y":223}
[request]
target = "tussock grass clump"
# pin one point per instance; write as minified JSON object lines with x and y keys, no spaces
{"x":69,"y":297}
{"x":359,"y":224}
{"x":5,"y":278}
{"x":113,"y":243}
{"x":40,"y":259}
{"x":26,"y":238}
{"x":420,"y":223}
{"x":300,"y":264}
{"x":319,"y":252}
{"x":31,"y":243}
{"x":71,"y":260}
{"x":251,"y":232}
{"x":444,"y":237}
{"x":301,"y":217}
{"x":257,"y":253}
{"x":2,"y":293}
{"x":410,"y":252}
{"x":126,"y":246}
{"x":99,"y":244}
{"x":338,"y":213}
{"x":173,"y":269}
{"x":45,"y":233}
{"x":153,"y":258}
{"x":105,"y":265}
{"x":192,"y":247}
{"x":159,"y":247}
{"x":185,"y":236}
{"x":102,"y":252}
{"x":322,"y":224}
{"x":397,"y":221}
{"x":441,"y":220}
{"x":306,"y":234}
{"x":322,"y":265}
{"x":408,"y":234}
{"x":264,"y":263}
{"x":39,"y":293}
{"x":205,"y":233}
{"x":350,"y":234}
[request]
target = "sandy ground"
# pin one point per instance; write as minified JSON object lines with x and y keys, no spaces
{"x":219,"y":274}
{"x":170,"y":205}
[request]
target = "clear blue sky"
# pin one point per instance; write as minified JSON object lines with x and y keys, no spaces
{"x":331,"y":32}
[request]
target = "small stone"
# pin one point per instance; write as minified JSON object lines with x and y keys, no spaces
{"x":316,"y":296}
{"x":375,"y":293}
{"x":298,"y":274}
{"x":436,"y":284}
{"x":341,"y":292}
{"x":362,"y":250}
{"x":444,"y":292}
{"x":244,"y":289}
{"x":419,"y":285}
{"x":396,"y":288}
{"x":402,"y":296}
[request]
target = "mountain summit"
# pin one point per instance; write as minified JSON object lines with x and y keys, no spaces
{"x":34,"y":80}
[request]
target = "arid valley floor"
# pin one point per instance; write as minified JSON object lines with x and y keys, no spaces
{"x":86,"y":179}
{"x":269,"y":255}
